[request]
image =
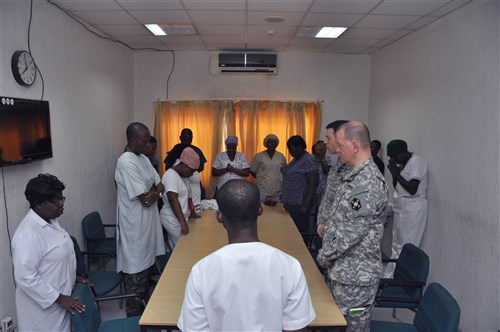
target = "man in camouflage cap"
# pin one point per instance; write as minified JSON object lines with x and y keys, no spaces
{"x":351,"y":242}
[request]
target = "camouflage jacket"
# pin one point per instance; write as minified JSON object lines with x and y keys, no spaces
{"x":351,"y":244}
{"x":333,"y":181}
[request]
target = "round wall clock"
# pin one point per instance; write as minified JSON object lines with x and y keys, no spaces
{"x":23,"y":68}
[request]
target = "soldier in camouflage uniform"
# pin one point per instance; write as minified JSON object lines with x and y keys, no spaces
{"x":352,"y":234}
{"x":334,"y":176}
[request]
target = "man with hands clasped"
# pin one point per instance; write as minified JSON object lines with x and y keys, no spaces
{"x":139,"y":234}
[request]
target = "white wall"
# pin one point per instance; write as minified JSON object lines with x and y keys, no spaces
{"x":438,"y":89}
{"x":89,"y":84}
{"x":342,"y":81}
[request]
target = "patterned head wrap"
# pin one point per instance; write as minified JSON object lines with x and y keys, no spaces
{"x":190,"y":158}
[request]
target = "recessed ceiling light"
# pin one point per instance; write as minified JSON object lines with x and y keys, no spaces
{"x":319,"y":32}
{"x":330,"y":32}
{"x":274,"y":19}
{"x":155,"y":29}
{"x":171,"y":29}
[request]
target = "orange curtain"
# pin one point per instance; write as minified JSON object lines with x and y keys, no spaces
{"x":254,"y":120}
{"x":251,"y":121}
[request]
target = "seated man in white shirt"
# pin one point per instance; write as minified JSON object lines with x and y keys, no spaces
{"x":246,"y":285}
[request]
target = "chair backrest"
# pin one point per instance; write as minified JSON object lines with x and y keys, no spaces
{"x":438,"y":311}
{"x":80,"y":261}
{"x":93,"y":228}
{"x":412,"y":265}
{"x":90,"y":319}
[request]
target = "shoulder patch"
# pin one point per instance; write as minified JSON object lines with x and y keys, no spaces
{"x":355,"y":204}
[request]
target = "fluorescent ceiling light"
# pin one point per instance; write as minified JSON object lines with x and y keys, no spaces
{"x":330,"y":32}
{"x":155,"y":29}
{"x":171,"y":29}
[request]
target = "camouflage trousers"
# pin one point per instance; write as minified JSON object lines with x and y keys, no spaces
{"x":136,"y":283}
{"x":356,"y":304}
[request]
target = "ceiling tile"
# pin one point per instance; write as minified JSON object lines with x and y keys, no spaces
{"x":330,"y":20}
{"x":259,"y":18}
{"x":138,"y":39}
{"x":355,"y":42}
{"x":279,"y":6}
{"x":150,"y":5}
{"x":214,"y":29}
{"x":344,"y":49}
{"x":278,"y":31}
{"x":217,"y":17}
{"x":87,"y":5}
{"x":223,"y":24}
{"x":161,"y":16}
{"x":305,"y":48}
{"x":180,"y":39}
{"x":422,"y":22}
{"x":186,"y":47}
{"x":267,"y":39}
{"x":215,"y":39}
{"x":345,"y":7}
{"x":214,"y":5}
{"x":225,"y":46}
{"x":408,"y":7}
{"x":124,"y":29}
{"x":105,"y":17}
{"x":324,"y":42}
{"x":367,"y":33}
{"x":386,"y":21}
{"x":266,"y":47}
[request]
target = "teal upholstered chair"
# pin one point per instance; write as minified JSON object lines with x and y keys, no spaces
{"x":410,"y":276}
{"x":98,"y":244}
{"x":104,"y":281}
{"x":90,"y":319}
{"x":438,"y":312}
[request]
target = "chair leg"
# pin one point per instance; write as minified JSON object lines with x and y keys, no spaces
{"x":394,"y":313}
{"x":122,"y":291}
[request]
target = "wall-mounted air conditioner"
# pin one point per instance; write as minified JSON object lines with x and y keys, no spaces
{"x":243,"y":62}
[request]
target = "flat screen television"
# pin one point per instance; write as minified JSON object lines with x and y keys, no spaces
{"x":24,"y":131}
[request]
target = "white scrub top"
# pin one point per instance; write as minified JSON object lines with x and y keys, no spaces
{"x":246,"y":287}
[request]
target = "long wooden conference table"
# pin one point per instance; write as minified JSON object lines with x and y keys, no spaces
{"x":206,"y":235}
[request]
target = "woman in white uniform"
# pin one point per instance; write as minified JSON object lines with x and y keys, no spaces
{"x":175,"y":212}
{"x":44,"y":261}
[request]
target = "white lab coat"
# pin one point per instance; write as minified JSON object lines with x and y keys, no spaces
{"x":44,"y":267}
{"x":139,"y":234}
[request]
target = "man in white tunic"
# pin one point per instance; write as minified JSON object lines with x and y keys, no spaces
{"x":246,"y":285}
{"x":409,"y":176}
{"x":44,"y":261}
{"x":139,"y":235}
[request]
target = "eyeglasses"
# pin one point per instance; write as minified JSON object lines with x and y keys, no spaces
{"x":59,"y":201}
